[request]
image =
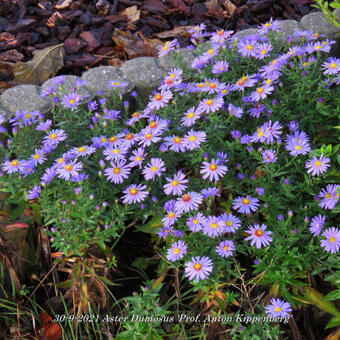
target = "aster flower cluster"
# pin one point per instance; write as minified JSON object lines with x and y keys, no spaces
{"x":212,"y":153}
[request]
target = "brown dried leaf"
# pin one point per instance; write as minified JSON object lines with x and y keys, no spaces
{"x":179,"y":30}
{"x":135,"y":46}
{"x":62,"y":4}
{"x":229,"y":6}
{"x":213,"y":5}
{"x":132,"y":13}
{"x":44,"y":65}
{"x":114,"y":62}
{"x":55,"y":19}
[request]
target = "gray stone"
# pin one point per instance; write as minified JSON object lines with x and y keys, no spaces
{"x":167,"y":61}
{"x":145,"y":73}
{"x":4,"y":115}
{"x":68,"y":85}
{"x":97,"y":79}
{"x":288,"y":27}
{"x":24,"y":97}
{"x":317,"y":23}
{"x":246,"y":33}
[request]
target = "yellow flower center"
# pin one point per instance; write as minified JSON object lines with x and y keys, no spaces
{"x":259,"y":233}
{"x":195,"y":221}
{"x":263,"y":52}
{"x":328,"y":195}
{"x":116,"y":170}
{"x":158,"y":97}
{"x":210,"y":102}
{"x":165,"y":47}
{"x":277,"y":309}
{"x":333,"y":65}
{"x":249,"y":47}
{"x":133,"y":192}
{"x":72,"y":101}
{"x":53,"y":136}
{"x":213,"y":225}
{"x":213,"y":167}
{"x":220,"y":33}
{"x":260,"y":90}
{"x":176,"y":250}
{"x":200,"y":85}
{"x":104,"y":140}
{"x":315,"y":35}
{"x":212,"y":85}
{"x":116,"y":83}
{"x":332,"y":239}
{"x":138,"y":158}
{"x":317,"y":163}
{"x":14,"y":163}
{"x":115,"y":151}
{"x":148,"y":136}
{"x":154,"y":168}
{"x":28,"y":116}
{"x":129,"y":136}
{"x":298,"y":147}
{"x":197,"y":266}
{"x":60,"y":160}
{"x":36,"y":156}
{"x":153,"y":125}
{"x":211,"y":51}
{"x":136,"y":114}
{"x":171,"y":215}
{"x":305,"y":64}
{"x":177,"y":140}
{"x":192,"y":138}
{"x":190,"y":115}
{"x":112,"y":139}
{"x":267,"y":24}
{"x":174,"y":183}
{"x":245,"y":201}
{"x":68,"y":167}
{"x":81,"y":149}
{"x":317,"y":47}
{"x":229,"y":223}
{"x":186,"y":198}
{"x":225,"y":248}
{"x":268,"y":81}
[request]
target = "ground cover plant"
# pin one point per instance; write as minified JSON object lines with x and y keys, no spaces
{"x":231,"y":168}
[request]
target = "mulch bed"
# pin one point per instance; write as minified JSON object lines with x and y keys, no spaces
{"x":107,"y":32}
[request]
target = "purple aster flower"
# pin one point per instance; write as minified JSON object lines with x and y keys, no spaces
{"x":319,"y":46}
{"x":263,"y":51}
{"x":92,"y":105}
{"x":259,"y":235}
{"x":189,"y":201}
{"x":235,"y":111}
{"x":137,"y":158}
{"x":135,"y":194}
{"x":167,"y":47}
{"x":164,"y":232}
{"x":48,"y":176}
{"x":119,"y":171}
{"x":332,"y":241}
{"x":293,"y":125}
{"x":115,"y":152}
{"x":176,"y":251}
{"x":54,"y":137}
{"x":268,"y":156}
{"x":111,"y":114}
{"x":297,"y":143}
{"x":245,"y":139}
{"x":43,"y":126}
{"x":278,"y":308}
{"x":316,"y":224}
{"x":33,"y":193}
{"x":83,"y":150}
{"x":175,"y":143}
{"x":154,"y":168}
{"x":198,"y":268}
{"x":13,"y":166}
{"x":330,"y":196}
{"x":317,"y":166}
{"x":261,"y":92}
{"x":213,"y":170}
{"x":213,"y":227}
{"x":196,"y":222}
{"x":193,"y":139}
{"x":210,"y":192}
{"x":220,"y":67}
{"x":245,"y":204}
{"x":269,"y":25}
{"x":160,"y":99}
{"x":190,"y":117}
{"x":257,"y":110}
{"x":331,"y":66}
{"x":211,"y":105}
{"x":38,"y":157}
{"x":248,"y":47}
{"x":225,"y":248}
{"x":147,"y":136}
{"x":115,"y":84}
{"x":235,"y":134}
{"x":245,"y":81}
{"x":171,"y":214}
{"x":69,"y":169}
{"x":260,"y":191}
{"x":271,"y":132}
{"x":231,"y":223}
{"x":71,"y":101}
{"x":176,"y":185}
{"x":28,"y":168}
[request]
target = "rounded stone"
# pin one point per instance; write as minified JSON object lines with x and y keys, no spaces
{"x":24,"y":97}
{"x":97,"y":79}
{"x":68,"y":84}
{"x":317,"y":23}
{"x":144,"y":72}
{"x":167,"y":61}
{"x":288,"y":28}
{"x":245,"y":33}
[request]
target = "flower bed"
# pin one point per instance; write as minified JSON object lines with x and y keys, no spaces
{"x":231,"y":168}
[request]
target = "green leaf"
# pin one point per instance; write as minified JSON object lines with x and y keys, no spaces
{"x":151,"y":226}
{"x":335,"y":295}
{"x":334,"y":322}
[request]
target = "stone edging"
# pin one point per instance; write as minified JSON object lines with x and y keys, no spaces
{"x":142,"y":74}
